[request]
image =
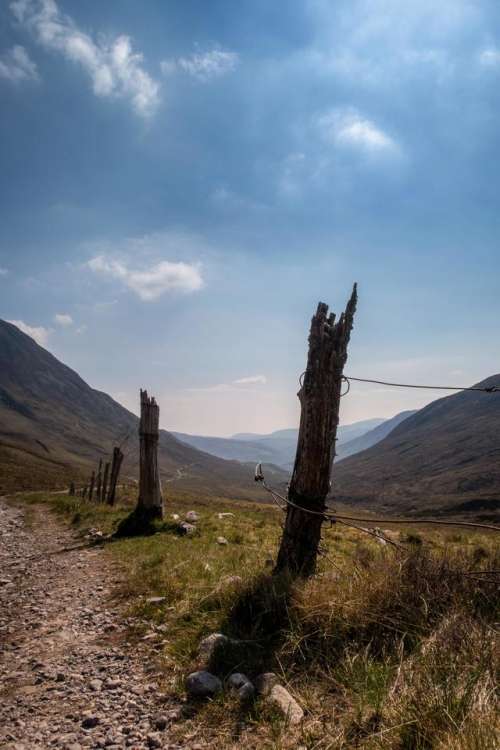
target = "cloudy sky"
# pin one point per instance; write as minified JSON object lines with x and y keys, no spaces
{"x":182,"y":181}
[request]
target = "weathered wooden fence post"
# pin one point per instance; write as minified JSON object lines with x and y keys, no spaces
{"x":150,"y":502}
{"x":115,"y":472}
{"x":71,"y":489}
{"x":91,"y":487}
{"x":99,"y":482}
{"x":319,"y":397}
{"x":104,"y":488}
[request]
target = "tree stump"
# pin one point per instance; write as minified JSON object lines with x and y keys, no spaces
{"x":115,"y":472}
{"x":319,"y":397}
{"x":150,"y":502}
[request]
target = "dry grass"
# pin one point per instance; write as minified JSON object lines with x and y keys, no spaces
{"x":383,"y":649}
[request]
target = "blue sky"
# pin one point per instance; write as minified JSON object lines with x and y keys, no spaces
{"x":183,"y":181}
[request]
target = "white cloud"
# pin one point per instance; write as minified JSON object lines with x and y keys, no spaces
{"x":251,"y":380}
{"x":38,"y":333}
{"x":114,"y":69}
{"x":3,"y":271}
{"x":150,"y":283}
{"x":490,"y":57}
{"x":63,"y":319}
{"x":205,"y":65}
{"x":349,"y":129}
{"x":16,"y":65}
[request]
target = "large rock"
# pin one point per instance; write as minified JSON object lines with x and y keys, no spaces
{"x":210,"y":644}
{"x":192,"y":516}
{"x":203,"y":685}
{"x":287,"y":705}
{"x":265,"y":682}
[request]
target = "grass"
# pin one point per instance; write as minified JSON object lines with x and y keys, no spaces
{"x":383,"y":648}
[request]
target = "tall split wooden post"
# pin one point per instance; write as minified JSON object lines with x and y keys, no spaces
{"x":319,"y":397}
{"x":150,"y":502}
{"x":115,"y":472}
{"x":91,"y":487}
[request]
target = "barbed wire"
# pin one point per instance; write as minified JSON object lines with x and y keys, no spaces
{"x":348,"y":378}
{"x":333,"y":516}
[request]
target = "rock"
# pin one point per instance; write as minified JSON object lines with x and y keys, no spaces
{"x":210,"y":644}
{"x":246,"y":692}
{"x":265,"y":682}
{"x":203,"y":685}
{"x":221,"y":540}
{"x":281,"y":698}
{"x":95,"y":685}
{"x":225,"y":515}
{"x":90,"y":722}
{"x":156,"y":599}
{"x":175,"y":517}
{"x":186,"y":528}
{"x":192,"y":516}
{"x":112,"y":683}
{"x":160,"y":722}
{"x":237,"y":680}
{"x":154,"y":740}
{"x":228,"y":582}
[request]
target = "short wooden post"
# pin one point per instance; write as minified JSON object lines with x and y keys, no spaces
{"x":115,"y":472}
{"x":319,"y":397}
{"x":104,"y":488}
{"x":150,"y":502}
{"x":71,"y":488}
{"x":98,"y":486}
{"x":91,"y":487}
{"x":84,"y":492}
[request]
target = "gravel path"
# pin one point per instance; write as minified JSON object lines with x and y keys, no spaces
{"x":67,"y":678}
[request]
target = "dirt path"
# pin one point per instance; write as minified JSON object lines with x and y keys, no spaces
{"x":67,"y":679}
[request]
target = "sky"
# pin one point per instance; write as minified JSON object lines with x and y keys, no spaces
{"x":183,"y":181}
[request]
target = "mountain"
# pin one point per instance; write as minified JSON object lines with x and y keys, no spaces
{"x":445,"y":458}
{"x":55,"y":427}
{"x":277,"y":447}
{"x":371,"y":437}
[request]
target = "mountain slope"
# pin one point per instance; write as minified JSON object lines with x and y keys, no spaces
{"x":371,"y":437}
{"x":445,"y":457}
{"x":52,"y":424}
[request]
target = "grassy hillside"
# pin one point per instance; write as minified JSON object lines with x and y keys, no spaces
{"x":444,"y":458}
{"x":53,"y":427}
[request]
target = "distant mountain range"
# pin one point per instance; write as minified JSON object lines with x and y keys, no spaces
{"x":444,"y":457}
{"x":276,"y":447}
{"x":54,"y":427}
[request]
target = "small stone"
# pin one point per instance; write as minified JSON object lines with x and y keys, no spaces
{"x":265,"y":682}
{"x":203,"y":685}
{"x":225,"y":515}
{"x":281,"y":698}
{"x":221,"y":540}
{"x":112,"y":683}
{"x":192,"y":516}
{"x":210,"y":644}
{"x":154,"y":740}
{"x":156,"y":599}
{"x":90,"y":722}
{"x":160,"y":722}
{"x":95,"y":685}
{"x":237,"y":680}
{"x":175,"y":517}
{"x":246,"y":693}
{"x":186,"y":528}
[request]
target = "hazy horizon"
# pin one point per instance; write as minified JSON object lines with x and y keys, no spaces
{"x":182,"y":184}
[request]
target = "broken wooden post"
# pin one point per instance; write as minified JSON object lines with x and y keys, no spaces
{"x":115,"y":472}
{"x":91,"y":487}
{"x":71,"y":489}
{"x":319,"y":397}
{"x":99,"y":482}
{"x":104,"y":488}
{"x":84,"y":493}
{"x":150,"y":502}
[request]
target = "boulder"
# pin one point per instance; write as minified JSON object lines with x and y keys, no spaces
{"x":265,"y":682}
{"x":192,"y":516}
{"x":203,"y":685}
{"x":209,"y":645}
{"x":287,"y":705}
